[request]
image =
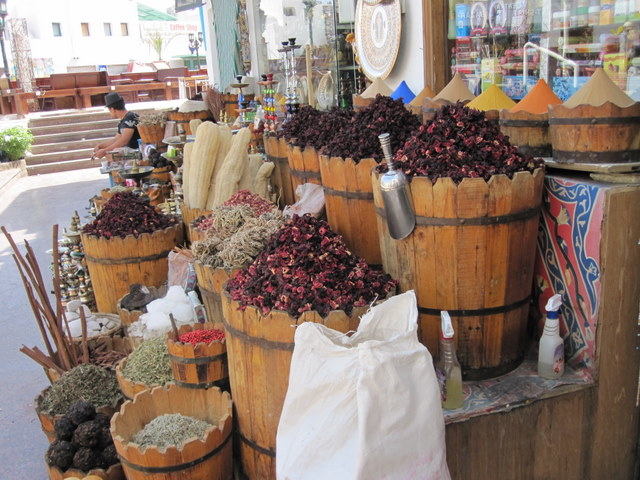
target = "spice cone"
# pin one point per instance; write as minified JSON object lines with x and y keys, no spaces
{"x":598,"y":90}
{"x":456,"y":90}
{"x":538,"y":99}
{"x":493,"y":98}
{"x":377,"y":87}
{"x":427,"y":92}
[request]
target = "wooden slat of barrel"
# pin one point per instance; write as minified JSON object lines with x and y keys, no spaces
{"x":528,"y":131}
{"x":497,"y":259}
{"x":296,"y":165}
{"x":311,"y":164}
{"x":472,"y":199}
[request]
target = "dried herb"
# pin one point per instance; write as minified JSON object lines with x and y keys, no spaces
{"x":244,"y":197}
{"x":149,"y":363}
{"x":127,"y":214}
{"x":460,"y":143}
{"x":88,"y":382}
{"x":170,"y":430}
{"x":202,"y":336}
{"x":306,"y":266}
{"x":359,"y":138}
{"x":307,"y":116}
{"x":240,"y":247}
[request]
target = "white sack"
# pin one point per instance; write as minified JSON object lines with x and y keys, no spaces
{"x":365,"y":407}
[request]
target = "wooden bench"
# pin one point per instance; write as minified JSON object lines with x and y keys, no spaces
{"x":60,"y":93}
{"x":15,"y":101}
{"x":85,"y":93}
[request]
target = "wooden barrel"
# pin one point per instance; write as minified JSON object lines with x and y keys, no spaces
{"x":152,"y":134}
{"x":183,"y":118}
{"x":528,"y":131}
{"x":304,"y":165}
{"x":360,"y":102}
{"x":276,"y":152}
{"x":47,"y":421}
{"x":210,"y":458}
{"x":472,"y":253}
{"x":198,"y":366}
{"x":161,"y":174}
{"x":195,"y":234}
{"x":430,"y":107}
{"x":114,"y":472}
{"x":259,"y":349}
{"x":115,"y":263}
{"x":210,"y":282}
{"x":348,"y":197}
{"x":231,"y":104}
{"x":189,"y":215}
{"x":604,"y":134}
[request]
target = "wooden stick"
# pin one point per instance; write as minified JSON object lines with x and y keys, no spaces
{"x":85,"y":346}
{"x":36,"y":307}
{"x":173,"y":326}
{"x":35,"y":354}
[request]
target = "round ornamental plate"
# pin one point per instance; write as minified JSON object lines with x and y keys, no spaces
{"x":378,"y":28}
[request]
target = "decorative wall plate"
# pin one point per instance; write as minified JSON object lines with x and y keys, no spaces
{"x":378,"y":28}
{"x":326,"y":92}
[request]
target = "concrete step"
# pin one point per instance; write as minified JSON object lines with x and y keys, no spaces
{"x":67,"y":117}
{"x":73,"y":136}
{"x":74,"y":127}
{"x":61,"y":147}
{"x":57,"y":157}
{"x":61,"y":166}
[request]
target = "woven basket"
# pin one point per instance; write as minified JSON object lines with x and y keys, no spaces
{"x":152,"y":133}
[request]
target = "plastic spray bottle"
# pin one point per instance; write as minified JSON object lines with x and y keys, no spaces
{"x":448,"y":368}
{"x":551,"y":352}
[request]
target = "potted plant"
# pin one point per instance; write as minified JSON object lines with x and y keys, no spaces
{"x":14,"y":142}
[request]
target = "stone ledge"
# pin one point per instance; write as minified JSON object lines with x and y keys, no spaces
{"x":11,"y":171}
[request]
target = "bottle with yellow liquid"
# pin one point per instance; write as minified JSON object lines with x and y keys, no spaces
{"x":448,"y":368}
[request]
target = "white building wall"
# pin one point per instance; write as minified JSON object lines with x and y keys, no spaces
{"x":72,"y":48}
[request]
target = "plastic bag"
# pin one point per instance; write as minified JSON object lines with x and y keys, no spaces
{"x":310,"y":200}
{"x":180,"y":266}
{"x":364,"y":407}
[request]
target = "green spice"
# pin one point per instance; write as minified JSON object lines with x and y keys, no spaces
{"x":89,"y":382}
{"x":170,"y":430}
{"x":149,"y":363}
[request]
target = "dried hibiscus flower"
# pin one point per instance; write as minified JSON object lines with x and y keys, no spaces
{"x":306,"y":266}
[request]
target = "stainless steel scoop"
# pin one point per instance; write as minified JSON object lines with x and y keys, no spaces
{"x":401,"y":219}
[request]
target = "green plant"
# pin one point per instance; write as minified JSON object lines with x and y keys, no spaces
{"x":15,"y":141}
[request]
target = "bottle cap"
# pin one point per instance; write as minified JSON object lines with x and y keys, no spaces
{"x":553,"y":306}
{"x":447,"y":327}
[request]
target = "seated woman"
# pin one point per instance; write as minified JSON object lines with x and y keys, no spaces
{"x":127,"y":137}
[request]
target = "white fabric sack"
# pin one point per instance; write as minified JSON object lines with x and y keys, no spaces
{"x":365,"y":407}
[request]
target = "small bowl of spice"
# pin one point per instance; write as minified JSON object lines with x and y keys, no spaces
{"x":94,"y":384}
{"x":175,"y":429}
{"x":147,"y":367}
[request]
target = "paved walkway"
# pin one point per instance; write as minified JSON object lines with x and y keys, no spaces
{"x":29,"y":206}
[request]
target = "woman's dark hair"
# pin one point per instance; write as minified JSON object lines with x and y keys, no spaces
{"x":119,"y":105}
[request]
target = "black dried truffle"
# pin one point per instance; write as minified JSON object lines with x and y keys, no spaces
{"x":64,"y":428}
{"x":105,"y":438}
{"x":103,"y":419}
{"x":81,"y":411}
{"x":109,"y":457}
{"x":60,"y":454}
{"x":87,"y":434}
{"x":85,"y":459}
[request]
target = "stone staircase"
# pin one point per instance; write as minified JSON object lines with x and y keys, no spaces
{"x":64,"y":141}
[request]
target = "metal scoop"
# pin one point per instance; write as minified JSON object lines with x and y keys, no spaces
{"x":401,"y":219}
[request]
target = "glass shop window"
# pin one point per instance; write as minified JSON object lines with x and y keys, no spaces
{"x":57,"y":31}
{"x":513,"y":43}
{"x":124,"y":29}
{"x":107,"y":30}
{"x":85,"y":29}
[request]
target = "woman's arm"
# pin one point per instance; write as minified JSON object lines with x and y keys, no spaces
{"x":120,"y":140}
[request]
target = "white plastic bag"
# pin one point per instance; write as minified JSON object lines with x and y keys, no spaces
{"x":365,"y":407}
